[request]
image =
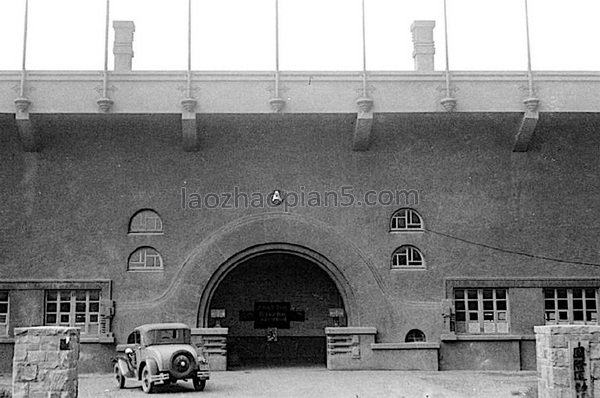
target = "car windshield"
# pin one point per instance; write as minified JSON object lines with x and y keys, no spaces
{"x":168,"y":336}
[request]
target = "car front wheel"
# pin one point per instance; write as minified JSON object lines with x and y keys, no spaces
{"x":119,"y":376}
{"x":147,"y":385}
{"x":199,"y":384}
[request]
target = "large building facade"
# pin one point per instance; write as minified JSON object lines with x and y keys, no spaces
{"x":397,"y":235}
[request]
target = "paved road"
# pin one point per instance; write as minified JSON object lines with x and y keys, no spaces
{"x":320,"y":382}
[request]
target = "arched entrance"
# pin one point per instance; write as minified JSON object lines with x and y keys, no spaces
{"x":276,"y":302}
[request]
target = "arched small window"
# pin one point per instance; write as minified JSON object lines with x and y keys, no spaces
{"x":145,"y":259}
{"x":414,"y":336}
{"x":406,"y":220}
{"x":407,"y":256}
{"x":146,"y":221}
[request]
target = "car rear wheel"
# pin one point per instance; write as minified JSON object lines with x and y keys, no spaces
{"x":199,"y":384}
{"x":147,"y":384}
{"x":119,"y":376}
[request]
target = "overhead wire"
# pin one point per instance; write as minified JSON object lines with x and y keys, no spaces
{"x":509,"y":251}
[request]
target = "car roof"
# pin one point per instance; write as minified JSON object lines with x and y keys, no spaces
{"x":158,"y":326}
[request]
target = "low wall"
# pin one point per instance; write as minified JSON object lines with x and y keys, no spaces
{"x":96,"y":358}
{"x":355,"y":348}
{"x":93,"y":357}
{"x":405,"y":356}
{"x":213,"y":342}
{"x":487,"y":352}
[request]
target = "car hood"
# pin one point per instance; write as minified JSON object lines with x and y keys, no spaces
{"x":163,"y":353}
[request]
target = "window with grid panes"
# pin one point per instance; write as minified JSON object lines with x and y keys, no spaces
{"x":481,"y":310}
{"x":146,"y":221}
{"x":145,"y":259}
{"x":407,"y":256}
{"x":406,"y":220}
{"x":571,"y":306}
{"x":3,"y":312}
{"x":79,"y":308}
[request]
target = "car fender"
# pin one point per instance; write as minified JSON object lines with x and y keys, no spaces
{"x":152,"y":366}
{"x":125,"y":367}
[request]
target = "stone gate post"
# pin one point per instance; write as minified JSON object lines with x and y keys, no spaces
{"x":45,"y":362}
{"x":568,"y":360}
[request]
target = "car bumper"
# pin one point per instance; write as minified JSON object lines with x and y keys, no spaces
{"x":163,"y":377}
{"x":160,"y":378}
{"x":203,"y":374}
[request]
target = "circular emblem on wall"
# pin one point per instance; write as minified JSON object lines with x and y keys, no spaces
{"x":276,"y":198}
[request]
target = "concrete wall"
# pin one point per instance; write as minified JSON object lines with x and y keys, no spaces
{"x":528,"y":312}
{"x":68,"y":207}
{"x":480,"y":355}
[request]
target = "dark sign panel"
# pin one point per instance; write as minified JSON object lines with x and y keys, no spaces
{"x":581,"y":388}
{"x":271,"y":315}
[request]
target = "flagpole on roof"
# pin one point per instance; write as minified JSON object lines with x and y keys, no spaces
{"x":447,"y":55}
{"x":531,"y":102}
{"x":105,"y":103}
{"x":276,"y":48}
{"x":364,"y":52}
{"x":105,"y":78}
{"x":23,"y":65}
{"x":189,"y":51}
{"x":364,"y":103}
{"x":448,"y":102}
{"x":529,"y":72}
{"x":189,"y":103}
{"x":277,"y":103}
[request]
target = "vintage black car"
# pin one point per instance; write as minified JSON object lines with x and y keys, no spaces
{"x":160,"y":353}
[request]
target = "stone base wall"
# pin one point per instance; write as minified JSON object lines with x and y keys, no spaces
{"x":213,"y":344}
{"x":480,"y":355}
{"x":568,"y":360}
{"x":45,"y":362}
{"x":355,"y":348}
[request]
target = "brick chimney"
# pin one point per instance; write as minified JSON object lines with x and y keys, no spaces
{"x":123,"y":45}
{"x":424,"y":46}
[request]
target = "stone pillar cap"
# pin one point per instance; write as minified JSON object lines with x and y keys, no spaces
{"x":124,"y":24}
{"x":45,"y":330}
{"x":422,"y":24}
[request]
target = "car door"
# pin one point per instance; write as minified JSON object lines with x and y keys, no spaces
{"x":128,"y":362}
{"x":136,"y":346}
{"x":134,"y":343}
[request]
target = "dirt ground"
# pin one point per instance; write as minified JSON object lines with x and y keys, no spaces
{"x":320,"y":382}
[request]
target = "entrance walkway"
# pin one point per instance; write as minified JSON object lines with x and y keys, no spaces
{"x":320,"y":382}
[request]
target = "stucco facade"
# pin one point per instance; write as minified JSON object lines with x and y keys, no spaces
{"x":66,"y":212}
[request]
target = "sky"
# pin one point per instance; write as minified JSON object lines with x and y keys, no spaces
{"x":314,"y":34}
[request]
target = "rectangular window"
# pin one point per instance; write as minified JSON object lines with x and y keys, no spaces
{"x":79,"y":308}
{"x":571,"y":306}
{"x":3,"y":312}
{"x":481,"y":310}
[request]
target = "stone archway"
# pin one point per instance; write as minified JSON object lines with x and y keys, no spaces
{"x":322,"y":262}
{"x":277,"y":299}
